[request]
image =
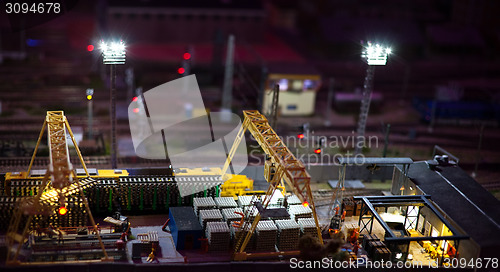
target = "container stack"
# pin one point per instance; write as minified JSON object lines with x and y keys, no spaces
{"x":293,"y":200}
{"x":276,"y":200}
{"x":357,"y":207}
{"x":367,"y":241}
{"x":299,"y":211}
{"x":372,"y":247}
{"x":225,"y":202}
{"x":210,"y":216}
{"x":375,"y":248}
{"x":266,"y":236}
{"x":231,"y":215}
{"x":218,"y":236}
{"x":381,"y":253}
{"x":288,"y":234}
{"x":348,"y":206}
{"x":307,"y":227}
{"x":251,"y":212}
{"x":246,"y":200}
{"x":203,"y":203}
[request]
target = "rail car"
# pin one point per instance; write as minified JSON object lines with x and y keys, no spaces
{"x":456,"y":110}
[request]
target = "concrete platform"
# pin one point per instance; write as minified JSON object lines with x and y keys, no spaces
{"x":167,"y":252}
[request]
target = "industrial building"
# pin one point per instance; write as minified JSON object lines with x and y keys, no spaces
{"x":462,"y":200}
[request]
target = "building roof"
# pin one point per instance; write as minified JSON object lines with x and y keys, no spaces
{"x":184,"y":219}
{"x":468,"y":204}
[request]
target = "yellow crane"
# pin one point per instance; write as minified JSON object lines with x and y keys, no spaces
{"x":281,"y":165}
{"x":59,"y":181}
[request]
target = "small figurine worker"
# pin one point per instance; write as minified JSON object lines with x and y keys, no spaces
{"x":123,"y":237}
{"x":152,"y":256}
{"x":355,"y":247}
{"x":50,"y":230}
{"x":60,"y":235}
{"x":38,"y":230}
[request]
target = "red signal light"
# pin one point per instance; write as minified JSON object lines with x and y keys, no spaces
{"x":63,"y":210}
{"x":135,"y":99}
{"x":300,"y":136}
{"x":317,"y":150}
{"x":305,"y":204}
{"x":90,"y":48}
{"x":136,"y":110}
{"x":180,"y":71}
{"x":186,"y":56}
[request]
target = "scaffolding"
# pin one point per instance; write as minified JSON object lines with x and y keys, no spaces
{"x":401,"y":243}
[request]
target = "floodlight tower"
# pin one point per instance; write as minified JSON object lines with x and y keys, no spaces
{"x":113,"y":53}
{"x":373,"y":54}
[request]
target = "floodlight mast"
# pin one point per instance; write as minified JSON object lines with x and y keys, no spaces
{"x":113,"y":53}
{"x":373,"y":54}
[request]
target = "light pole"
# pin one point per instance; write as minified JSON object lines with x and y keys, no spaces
{"x":329,"y":99}
{"x":113,"y":53}
{"x":227,"y":89}
{"x":90,"y":94}
{"x":373,"y":54}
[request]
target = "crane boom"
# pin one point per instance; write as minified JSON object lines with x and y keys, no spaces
{"x":295,"y":173}
{"x":60,"y":180}
{"x":285,"y":165}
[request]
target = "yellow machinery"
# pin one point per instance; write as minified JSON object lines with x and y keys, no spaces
{"x":238,"y":185}
{"x":234,"y":185}
{"x":281,"y":165}
{"x":59,"y":181}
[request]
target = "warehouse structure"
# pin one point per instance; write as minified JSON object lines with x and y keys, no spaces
{"x":461,"y":199}
{"x":403,"y":234}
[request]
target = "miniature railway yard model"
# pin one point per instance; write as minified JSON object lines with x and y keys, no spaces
{"x":110,"y":190}
{"x":48,"y":215}
{"x":250,"y":135}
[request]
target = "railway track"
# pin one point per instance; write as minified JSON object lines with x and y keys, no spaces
{"x":491,"y":186}
{"x":21,"y":163}
{"x":48,"y":244}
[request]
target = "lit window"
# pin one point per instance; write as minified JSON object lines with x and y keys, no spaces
{"x":308,"y":84}
{"x":297,"y":85}
{"x":283,"y":84}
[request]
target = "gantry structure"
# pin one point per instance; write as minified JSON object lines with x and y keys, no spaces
{"x":281,"y":167}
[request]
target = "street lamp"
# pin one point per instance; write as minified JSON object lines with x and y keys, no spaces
{"x":112,"y":54}
{"x":373,"y":54}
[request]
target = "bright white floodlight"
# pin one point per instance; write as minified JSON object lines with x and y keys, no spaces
{"x":113,"y":53}
{"x":375,"y":54}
